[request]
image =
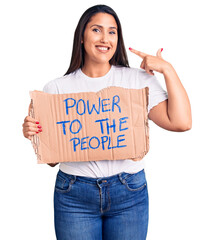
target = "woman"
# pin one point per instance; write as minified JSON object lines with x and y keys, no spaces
{"x":109,"y":199}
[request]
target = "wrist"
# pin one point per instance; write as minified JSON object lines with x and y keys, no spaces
{"x":168,"y":69}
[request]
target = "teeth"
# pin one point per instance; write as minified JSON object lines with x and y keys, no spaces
{"x":102,"y":48}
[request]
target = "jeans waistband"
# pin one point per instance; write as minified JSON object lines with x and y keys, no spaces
{"x":110,"y":179}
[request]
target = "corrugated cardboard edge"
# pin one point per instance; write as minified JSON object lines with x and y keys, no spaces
{"x":35,"y":138}
{"x":146,"y":100}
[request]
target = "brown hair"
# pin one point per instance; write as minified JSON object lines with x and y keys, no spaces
{"x":77,"y":58}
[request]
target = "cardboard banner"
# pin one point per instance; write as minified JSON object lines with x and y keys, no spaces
{"x":111,"y":124}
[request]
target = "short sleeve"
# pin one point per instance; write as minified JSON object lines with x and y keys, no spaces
{"x":50,"y":87}
{"x":156,"y":93}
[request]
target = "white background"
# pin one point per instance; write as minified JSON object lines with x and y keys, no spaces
{"x":36,"y":45}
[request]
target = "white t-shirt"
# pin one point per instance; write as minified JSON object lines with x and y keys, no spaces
{"x":132,"y":78}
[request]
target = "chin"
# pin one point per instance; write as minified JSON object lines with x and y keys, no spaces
{"x":103,"y":60}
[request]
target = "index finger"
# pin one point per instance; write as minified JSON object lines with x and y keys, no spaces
{"x":140,"y":54}
{"x":30,"y":119}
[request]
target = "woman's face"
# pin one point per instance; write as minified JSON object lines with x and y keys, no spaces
{"x":100,"y":38}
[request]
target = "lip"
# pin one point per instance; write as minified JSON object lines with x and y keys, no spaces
{"x":103,"y":51}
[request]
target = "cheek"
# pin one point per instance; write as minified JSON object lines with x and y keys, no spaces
{"x":86,"y":48}
{"x":115,"y":42}
{"x":89,"y":43}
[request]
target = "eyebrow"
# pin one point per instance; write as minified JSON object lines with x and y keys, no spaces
{"x":102,"y":26}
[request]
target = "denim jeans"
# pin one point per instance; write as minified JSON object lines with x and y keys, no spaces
{"x":107,"y":208}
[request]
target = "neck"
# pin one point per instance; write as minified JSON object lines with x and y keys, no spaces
{"x":95,"y":70}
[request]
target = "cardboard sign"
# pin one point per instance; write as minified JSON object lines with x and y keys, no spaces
{"x":111,"y":124}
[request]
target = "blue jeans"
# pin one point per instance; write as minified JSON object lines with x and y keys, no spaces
{"x":107,"y":208}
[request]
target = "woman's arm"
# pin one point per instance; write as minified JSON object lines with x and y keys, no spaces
{"x":173,"y":114}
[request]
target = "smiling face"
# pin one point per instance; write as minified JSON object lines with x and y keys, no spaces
{"x":100,"y":38}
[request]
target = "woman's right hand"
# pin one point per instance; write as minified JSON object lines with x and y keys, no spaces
{"x":31,"y":127}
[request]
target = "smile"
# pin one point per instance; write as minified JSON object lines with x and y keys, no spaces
{"x":102,"y":49}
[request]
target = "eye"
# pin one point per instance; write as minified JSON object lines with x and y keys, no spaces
{"x":112,"y":32}
{"x":95,"y":30}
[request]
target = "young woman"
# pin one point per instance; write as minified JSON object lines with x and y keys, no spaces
{"x":108,"y":199}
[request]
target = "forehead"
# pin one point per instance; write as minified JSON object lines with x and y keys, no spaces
{"x":104,"y":19}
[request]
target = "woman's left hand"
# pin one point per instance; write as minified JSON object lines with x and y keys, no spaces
{"x":152,"y":63}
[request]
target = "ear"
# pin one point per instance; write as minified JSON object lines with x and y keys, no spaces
{"x":81,"y":41}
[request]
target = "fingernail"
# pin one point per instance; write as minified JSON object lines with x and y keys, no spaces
{"x":40,"y":130}
{"x":37,"y":122}
{"x":39,"y":126}
{"x":37,"y":132}
{"x":161,"y":49}
{"x":130,"y":48}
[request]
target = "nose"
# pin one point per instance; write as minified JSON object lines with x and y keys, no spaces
{"x":104,"y":38}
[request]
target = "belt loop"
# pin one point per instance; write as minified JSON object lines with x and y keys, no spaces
{"x":120,"y":176}
{"x":74,"y":178}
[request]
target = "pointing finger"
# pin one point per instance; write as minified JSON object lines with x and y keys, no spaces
{"x":140,"y":54}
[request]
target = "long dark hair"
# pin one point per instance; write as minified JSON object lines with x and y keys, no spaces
{"x":77,"y":58}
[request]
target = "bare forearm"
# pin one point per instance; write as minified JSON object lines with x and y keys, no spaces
{"x":179,"y":109}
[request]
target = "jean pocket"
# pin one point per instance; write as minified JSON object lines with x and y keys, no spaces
{"x":63,"y":184}
{"x":136,"y":181}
